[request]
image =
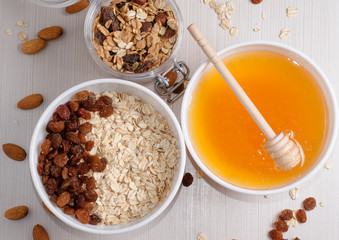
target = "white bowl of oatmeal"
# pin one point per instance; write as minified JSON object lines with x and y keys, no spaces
{"x":144,"y":150}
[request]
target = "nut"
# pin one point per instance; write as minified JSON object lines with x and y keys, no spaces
{"x":33,"y":46}
{"x":14,"y":151}
{"x":30,"y":102}
{"x":39,"y":233}
{"x":77,"y":7}
{"x":16,"y":213}
{"x":50,"y":33}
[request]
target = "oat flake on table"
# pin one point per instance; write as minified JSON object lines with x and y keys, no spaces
{"x":284,"y":33}
{"x":291,"y":12}
{"x":201,"y":236}
{"x":142,"y":156}
{"x":294,"y":193}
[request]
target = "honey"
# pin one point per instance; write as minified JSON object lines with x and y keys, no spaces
{"x":227,"y":139}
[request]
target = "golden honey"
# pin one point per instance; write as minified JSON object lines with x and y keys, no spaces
{"x":227,"y":139}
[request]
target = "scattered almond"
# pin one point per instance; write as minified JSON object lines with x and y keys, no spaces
{"x":50,"y":33}
{"x":46,"y":208}
{"x":33,"y":46}
{"x":14,"y":151}
{"x":16,"y":213}
{"x":39,"y":233}
{"x":9,"y":32}
{"x":22,"y":36}
{"x":30,"y":102}
{"x":77,"y":7}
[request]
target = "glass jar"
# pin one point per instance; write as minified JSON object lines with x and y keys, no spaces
{"x":54,"y":3}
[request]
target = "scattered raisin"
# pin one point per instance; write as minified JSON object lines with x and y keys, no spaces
{"x":309,"y":203}
{"x":73,"y":106}
{"x":94,"y":219}
{"x":61,"y":160}
{"x":187,"y":179}
{"x":89,"y":145}
{"x":161,"y":18}
{"x":46,"y":146}
{"x":63,"y":199}
{"x":106,"y":99}
{"x":286,"y":214}
{"x":69,"y":210}
{"x":281,"y":226}
{"x":146,"y":26}
{"x":275,"y":234}
{"x":51,"y":186}
{"x":256,"y":1}
{"x":130,"y":58}
{"x":82,"y":215}
{"x":106,"y":111}
{"x":55,"y":126}
{"x":63,"y":112}
{"x":301,"y":216}
{"x":56,"y":139}
{"x":81,"y":96}
{"x":85,"y":128}
{"x":170,"y":33}
{"x":84,"y":113}
{"x":72,"y":137}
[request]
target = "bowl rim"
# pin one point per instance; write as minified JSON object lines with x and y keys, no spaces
{"x":37,"y":179}
{"x":332,"y":140}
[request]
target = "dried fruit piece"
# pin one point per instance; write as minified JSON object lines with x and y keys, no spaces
{"x":85,"y":128}
{"x":30,"y":102}
{"x":55,"y":126}
{"x":140,"y":2}
{"x":256,"y":1}
{"x":301,"y":216}
{"x":51,"y":186}
{"x":77,"y":7}
{"x":98,"y":164}
{"x":94,"y":219}
{"x":63,"y":112}
{"x":90,"y":183}
{"x":309,"y":203}
{"x":100,"y":37}
{"x":46,"y":208}
{"x":84,"y":113}
{"x":84,"y":168}
{"x":72,"y":137}
{"x":281,"y":226}
{"x":55,"y":139}
{"x":90,"y":195}
{"x":69,"y":210}
{"x":131,"y":58}
{"x":46,"y":146}
{"x":146,"y":26}
{"x":50,"y":33}
{"x":187,"y":179}
{"x":14,"y":151}
{"x":144,"y":67}
{"x":170,"y":33}
{"x":17,"y":213}
{"x":39,"y":233}
{"x":275,"y":234}
{"x":161,"y":18}
{"x":89,"y":145}
{"x":82,"y":215}
{"x":61,"y":160}
{"x":81,"y":96}
{"x":33,"y":46}
{"x":106,"y":111}
{"x":63,"y":199}
{"x":286,"y":214}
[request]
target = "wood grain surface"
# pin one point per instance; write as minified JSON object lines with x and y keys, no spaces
{"x":205,"y":206}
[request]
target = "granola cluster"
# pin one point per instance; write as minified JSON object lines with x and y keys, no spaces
{"x":135,"y":36}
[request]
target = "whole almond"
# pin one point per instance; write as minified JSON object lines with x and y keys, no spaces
{"x":77,"y":7}
{"x":30,"y":102}
{"x":47,"y":209}
{"x":14,"y":151}
{"x":39,"y":233}
{"x":50,"y":33}
{"x":33,"y":46}
{"x":16,"y":213}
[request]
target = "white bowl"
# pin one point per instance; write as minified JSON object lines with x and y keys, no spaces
{"x":322,"y":81}
{"x":101,"y":85}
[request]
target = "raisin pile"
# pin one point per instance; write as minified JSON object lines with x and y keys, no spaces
{"x":64,"y":158}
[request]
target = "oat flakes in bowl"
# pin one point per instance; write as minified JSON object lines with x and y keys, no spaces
{"x":131,"y":164}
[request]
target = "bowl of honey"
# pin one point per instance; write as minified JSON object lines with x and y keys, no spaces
{"x":292,"y":93}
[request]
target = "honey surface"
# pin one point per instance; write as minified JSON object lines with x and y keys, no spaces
{"x":226,"y":138}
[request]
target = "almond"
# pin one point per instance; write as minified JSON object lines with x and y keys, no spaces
{"x":50,"y":33}
{"x":39,"y":233}
{"x":172,"y":77}
{"x":33,"y":46}
{"x":77,"y":7}
{"x":46,"y":208}
{"x":14,"y":151}
{"x":30,"y":102}
{"x":16,"y":213}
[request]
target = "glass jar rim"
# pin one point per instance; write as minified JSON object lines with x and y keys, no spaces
{"x":55,"y":3}
{"x":136,"y":77}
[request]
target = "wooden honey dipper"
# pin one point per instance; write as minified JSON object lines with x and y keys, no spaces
{"x":286,"y":152}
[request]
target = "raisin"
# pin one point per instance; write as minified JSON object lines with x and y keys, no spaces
{"x":46,"y":146}
{"x":161,"y":18}
{"x":296,"y":238}
{"x":170,"y":33}
{"x":84,"y":168}
{"x":56,"y":117}
{"x":106,"y":13}
{"x":90,"y":183}
{"x":56,"y":139}
{"x":40,"y":168}
{"x":146,"y":26}
{"x":72,"y":137}
{"x":130,"y":58}
{"x":89,"y":206}
{"x":65,"y":184}
{"x":45,"y":179}
{"x":187,"y":180}
{"x":94,"y":219}
{"x":128,"y":67}
{"x":66,"y":146}
{"x":71,"y":126}
{"x":81,"y":96}
{"x":90,"y":195}
{"x":256,"y":1}
{"x":63,"y":112}
{"x":76,"y":158}
{"x":63,"y":199}
{"x":120,"y":5}
{"x":286,"y":214}
{"x":275,"y":234}
{"x":106,"y":99}
{"x":140,"y":2}
{"x":89,"y":145}
{"x":80,"y":201}
{"x":55,"y":171}
{"x":41,"y":158}
{"x":82,"y":138}
{"x":281,"y":226}
{"x":84,"y":113}
{"x":76,"y":149}
{"x":85,"y":128}
{"x":73,"y":106}
{"x":74,"y":184}
{"x":82,"y":215}
{"x":88,"y":103}
{"x":97,"y":164}
{"x":47,"y":168}
{"x":55,"y":126}
{"x":301,"y":216}
{"x":64,"y":174}
{"x":51,"y":186}
{"x":309,"y":203}
{"x":69,"y":210}
{"x":52,"y":154}
{"x":144,"y":67}
{"x":73,"y":171}
{"x":61,"y":160}
{"x":106,"y":111}
{"x":71,"y":202}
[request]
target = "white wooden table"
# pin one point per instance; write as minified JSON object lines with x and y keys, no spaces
{"x":205,"y":206}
